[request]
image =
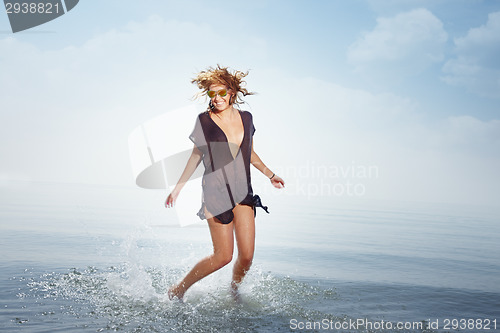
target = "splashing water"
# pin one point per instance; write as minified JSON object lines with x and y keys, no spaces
{"x":134,"y":299}
{"x":132,"y":296}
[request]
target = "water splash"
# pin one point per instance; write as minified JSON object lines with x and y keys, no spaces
{"x":134,"y":299}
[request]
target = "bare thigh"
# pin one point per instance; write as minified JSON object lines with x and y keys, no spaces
{"x":222,"y":237}
{"x":244,"y":230}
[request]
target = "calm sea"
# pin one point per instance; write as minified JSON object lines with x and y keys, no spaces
{"x":82,"y":258}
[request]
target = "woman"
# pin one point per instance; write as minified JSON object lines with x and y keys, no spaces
{"x":222,"y":138}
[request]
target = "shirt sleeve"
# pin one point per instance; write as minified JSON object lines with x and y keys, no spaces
{"x":252,"y":127}
{"x":197,"y":135}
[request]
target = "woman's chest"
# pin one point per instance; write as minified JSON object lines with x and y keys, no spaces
{"x":232,"y":132}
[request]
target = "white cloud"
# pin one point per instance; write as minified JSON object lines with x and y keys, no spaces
{"x":408,"y":43}
{"x":385,"y":6}
{"x":476,"y":65}
{"x":472,"y":134}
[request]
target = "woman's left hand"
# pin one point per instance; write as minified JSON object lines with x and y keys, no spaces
{"x":277,"y":182}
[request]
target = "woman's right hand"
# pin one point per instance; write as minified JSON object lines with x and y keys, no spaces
{"x":172,"y":197}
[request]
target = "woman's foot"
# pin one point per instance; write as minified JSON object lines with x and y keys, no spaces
{"x":235,"y":293}
{"x":176,"y":292}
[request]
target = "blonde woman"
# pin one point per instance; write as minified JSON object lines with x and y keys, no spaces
{"x":222,"y":139}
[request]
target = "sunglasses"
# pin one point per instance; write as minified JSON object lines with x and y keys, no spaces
{"x":221,"y":93}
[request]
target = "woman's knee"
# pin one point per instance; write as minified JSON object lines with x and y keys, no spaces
{"x":222,"y":259}
{"x":245,"y":259}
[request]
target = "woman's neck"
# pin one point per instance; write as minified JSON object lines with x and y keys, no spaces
{"x":225,"y":114}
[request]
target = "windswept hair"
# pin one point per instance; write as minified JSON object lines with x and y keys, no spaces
{"x":222,"y":75}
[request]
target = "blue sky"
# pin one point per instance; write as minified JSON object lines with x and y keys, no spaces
{"x":412,"y":87}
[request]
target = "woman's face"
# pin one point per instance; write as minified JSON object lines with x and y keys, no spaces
{"x":221,"y":103}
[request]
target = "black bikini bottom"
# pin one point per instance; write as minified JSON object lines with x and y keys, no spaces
{"x":228,"y":216}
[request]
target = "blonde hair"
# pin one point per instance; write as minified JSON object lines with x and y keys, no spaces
{"x":221,"y":75}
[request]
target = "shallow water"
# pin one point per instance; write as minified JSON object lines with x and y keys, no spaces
{"x":84,"y":259}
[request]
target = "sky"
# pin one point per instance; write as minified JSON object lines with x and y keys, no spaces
{"x":394,"y":100}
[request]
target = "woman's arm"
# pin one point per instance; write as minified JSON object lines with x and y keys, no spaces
{"x":257,"y":162}
{"x":192,"y":164}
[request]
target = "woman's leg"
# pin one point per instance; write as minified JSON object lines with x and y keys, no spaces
{"x":244,"y":229}
{"x":222,"y":239}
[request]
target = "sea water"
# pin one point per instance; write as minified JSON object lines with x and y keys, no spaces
{"x":84,"y":258}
